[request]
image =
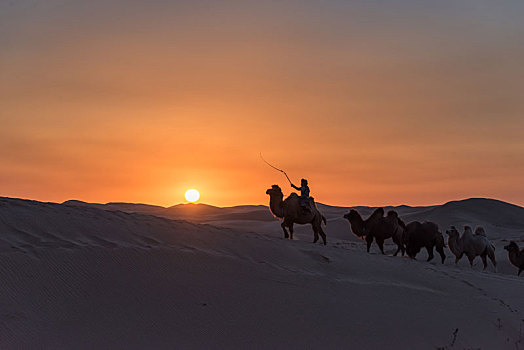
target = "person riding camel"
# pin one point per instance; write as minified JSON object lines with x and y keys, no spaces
{"x":304,"y":194}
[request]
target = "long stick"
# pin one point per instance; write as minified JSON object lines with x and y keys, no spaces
{"x":274,"y":167}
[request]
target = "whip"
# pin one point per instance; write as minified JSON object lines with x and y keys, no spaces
{"x":274,"y":167}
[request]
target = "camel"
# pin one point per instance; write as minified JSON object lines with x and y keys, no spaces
{"x":398,"y":235}
{"x":516,"y":255}
{"x":472,"y":245}
{"x":455,"y":244}
{"x":357,"y":224}
{"x":418,"y":235}
{"x":292,"y":213}
{"x":377,"y":227}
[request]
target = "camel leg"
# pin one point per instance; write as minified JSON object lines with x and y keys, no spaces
{"x":398,"y":245}
{"x":290,"y":231}
{"x":283,"y":225}
{"x":380,"y":243}
{"x":430,"y":253}
{"x":491,"y":255}
{"x":323,"y":235}
{"x":520,"y":270}
{"x":440,"y":250}
{"x":398,"y":250}
{"x":471,"y":258}
{"x":315,"y":233}
{"x":457,"y":259}
{"x":484,"y":262}
{"x":369,"y":240}
{"x":402,"y":249}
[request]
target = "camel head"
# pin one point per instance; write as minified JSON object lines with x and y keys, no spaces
{"x":453,"y":232}
{"x":467,"y":229}
{"x":512,"y":247}
{"x":352,"y":215}
{"x":356,"y":222}
{"x":412,"y":251}
{"x":275,"y":191}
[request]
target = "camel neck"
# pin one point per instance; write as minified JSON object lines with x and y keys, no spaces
{"x":514,"y":257}
{"x":275,"y":205}
{"x":357,"y":225}
{"x":455,"y":244}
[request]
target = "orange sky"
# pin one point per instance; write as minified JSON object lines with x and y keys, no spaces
{"x":408,"y":103}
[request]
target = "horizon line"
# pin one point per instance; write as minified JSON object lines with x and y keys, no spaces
{"x":265,"y":205}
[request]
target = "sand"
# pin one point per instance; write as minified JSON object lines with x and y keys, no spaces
{"x":86,"y":276}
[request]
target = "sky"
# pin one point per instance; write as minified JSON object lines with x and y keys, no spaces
{"x":374,"y":102}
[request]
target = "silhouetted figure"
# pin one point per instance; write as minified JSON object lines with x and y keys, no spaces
{"x":516,"y":255}
{"x":423,"y":235}
{"x":472,"y":245}
{"x":291,"y":212}
{"x":304,"y":194}
{"x":378,"y":227}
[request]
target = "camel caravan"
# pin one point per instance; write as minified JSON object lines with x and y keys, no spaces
{"x":410,"y":238}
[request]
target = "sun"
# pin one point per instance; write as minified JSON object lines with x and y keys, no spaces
{"x":192,"y":195}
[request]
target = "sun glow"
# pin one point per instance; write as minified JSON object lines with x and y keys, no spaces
{"x":192,"y":195}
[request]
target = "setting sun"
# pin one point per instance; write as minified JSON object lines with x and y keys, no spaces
{"x":192,"y":195}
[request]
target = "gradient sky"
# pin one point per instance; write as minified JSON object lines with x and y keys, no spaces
{"x":375,"y":102}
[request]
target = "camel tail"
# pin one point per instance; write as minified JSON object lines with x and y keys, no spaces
{"x":324,"y":219}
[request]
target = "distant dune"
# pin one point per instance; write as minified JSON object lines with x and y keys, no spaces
{"x":117,"y":275}
{"x":500,"y":219}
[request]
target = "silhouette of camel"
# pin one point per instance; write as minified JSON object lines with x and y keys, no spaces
{"x":292,"y":213}
{"x":378,"y":227}
{"x":472,"y":245}
{"x":516,"y":256}
{"x":418,"y":235}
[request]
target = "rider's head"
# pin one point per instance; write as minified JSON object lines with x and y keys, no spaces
{"x":303,"y":182}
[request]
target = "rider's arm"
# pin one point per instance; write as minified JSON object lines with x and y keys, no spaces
{"x":295,"y":187}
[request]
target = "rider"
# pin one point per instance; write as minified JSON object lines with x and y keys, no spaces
{"x":304,"y":194}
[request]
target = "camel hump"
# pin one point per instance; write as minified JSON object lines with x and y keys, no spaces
{"x":479,"y":231}
{"x":392,"y":218}
{"x":379,"y":212}
{"x":431,"y":225}
{"x":293,"y":195}
{"x":393,"y":213}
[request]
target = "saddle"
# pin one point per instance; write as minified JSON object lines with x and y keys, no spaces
{"x":308,"y":203}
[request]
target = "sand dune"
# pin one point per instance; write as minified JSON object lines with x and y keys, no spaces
{"x":502,"y":221}
{"x":80,"y":276}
